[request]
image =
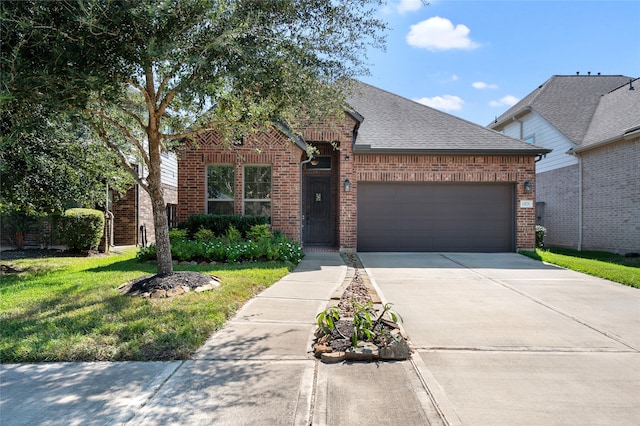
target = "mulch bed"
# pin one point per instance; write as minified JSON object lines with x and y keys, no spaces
{"x":169,"y":285}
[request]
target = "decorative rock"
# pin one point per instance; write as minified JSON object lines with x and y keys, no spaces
{"x":332,"y":357}
{"x":186,"y":288}
{"x":396,"y":350}
{"x":203,"y":263}
{"x":321,"y":348}
{"x":365,"y":351}
{"x":158,"y":294}
{"x":184,"y":262}
{"x":212,"y":284}
{"x":175,"y":291}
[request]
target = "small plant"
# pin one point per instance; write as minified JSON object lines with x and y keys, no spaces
{"x":204,"y":234}
{"x":176,"y":234}
{"x":259,"y":232}
{"x":541,"y":232}
{"x":233,"y":234}
{"x":364,"y":327}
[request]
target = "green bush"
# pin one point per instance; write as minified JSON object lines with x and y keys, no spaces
{"x":176,"y":234}
{"x":219,"y":224}
{"x":233,"y":234}
{"x":204,"y":235}
{"x":541,"y":232}
{"x":259,"y":232}
{"x":81,"y":229}
{"x":277,"y":248}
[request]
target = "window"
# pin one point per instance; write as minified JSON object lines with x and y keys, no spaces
{"x":220,"y":189}
{"x":530,"y":139}
{"x":257,"y":190}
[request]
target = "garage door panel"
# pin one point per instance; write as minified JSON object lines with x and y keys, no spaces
{"x":435,"y":217}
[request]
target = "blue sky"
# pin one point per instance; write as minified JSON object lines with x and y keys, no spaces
{"x":474,"y":59}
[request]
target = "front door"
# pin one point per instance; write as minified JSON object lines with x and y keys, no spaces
{"x":318,"y":215}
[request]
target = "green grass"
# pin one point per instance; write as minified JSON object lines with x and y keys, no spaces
{"x":623,"y":270}
{"x":69,"y":309}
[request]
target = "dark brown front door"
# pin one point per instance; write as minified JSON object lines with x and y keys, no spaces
{"x":318,"y":217}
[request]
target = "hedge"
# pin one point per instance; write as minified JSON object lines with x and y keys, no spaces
{"x":81,"y":229}
{"x":219,"y":224}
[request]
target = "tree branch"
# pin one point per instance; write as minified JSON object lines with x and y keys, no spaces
{"x":124,"y":131}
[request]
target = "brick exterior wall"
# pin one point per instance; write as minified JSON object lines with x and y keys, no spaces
{"x":457,"y":168}
{"x":133,"y":210}
{"x":611,"y":197}
{"x":272,"y":148}
{"x":559,"y":191}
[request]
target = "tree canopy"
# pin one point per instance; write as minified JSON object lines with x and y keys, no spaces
{"x":147,"y":73}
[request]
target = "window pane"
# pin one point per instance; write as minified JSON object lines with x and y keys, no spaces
{"x":220,"y":207}
{"x":220,"y":182}
{"x":257,"y":208}
{"x":257,"y":182}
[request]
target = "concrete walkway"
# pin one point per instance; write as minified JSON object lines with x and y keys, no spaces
{"x":257,"y":370}
{"x":501,"y":339}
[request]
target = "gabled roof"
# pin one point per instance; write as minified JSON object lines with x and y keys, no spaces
{"x":567,"y":102}
{"x":391,"y":123}
{"x":617,"y":115}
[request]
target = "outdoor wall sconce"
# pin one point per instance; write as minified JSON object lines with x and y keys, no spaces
{"x":347,"y":185}
{"x":314,"y":162}
{"x":528,"y":187}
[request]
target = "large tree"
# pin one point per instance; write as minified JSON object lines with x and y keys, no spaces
{"x":52,"y":162}
{"x":147,"y":73}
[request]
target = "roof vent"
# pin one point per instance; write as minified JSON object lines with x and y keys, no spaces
{"x":588,"y":72}
{"x":631,"y":84}
{"x":578,"y":73}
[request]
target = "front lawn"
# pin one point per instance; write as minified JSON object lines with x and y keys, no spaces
{"x":70,"y":309}
{"x":624,"y":270}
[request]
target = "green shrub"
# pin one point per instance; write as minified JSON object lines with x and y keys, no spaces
{"x":225,"y":250}
{"x":219,"y":224}
{"x":259,"y":232}
{"x":81,"y":229}
{"x":233,"y":234}
{"x":541,"y":232}
{"x":204,"y":235}
{"x":176,"y":234}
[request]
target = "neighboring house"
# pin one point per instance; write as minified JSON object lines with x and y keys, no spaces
{"x":394,"y":175}
{"x":587,"y":192}
{"x":132,"y":212}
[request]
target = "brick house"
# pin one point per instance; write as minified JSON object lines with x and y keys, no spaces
{"x":587,"y":191}
{"x":394,"y":175}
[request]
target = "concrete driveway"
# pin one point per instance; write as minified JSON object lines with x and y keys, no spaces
{"x":502,"y":339}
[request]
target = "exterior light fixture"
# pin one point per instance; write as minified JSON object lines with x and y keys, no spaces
{"x":528,"y":187}
{"x":347,"y":185}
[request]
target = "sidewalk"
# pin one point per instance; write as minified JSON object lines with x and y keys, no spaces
{"x":259,"y":369}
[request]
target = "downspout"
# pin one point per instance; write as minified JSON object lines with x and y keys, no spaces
{"x":580,"y":196}
{"x":308,"y":160}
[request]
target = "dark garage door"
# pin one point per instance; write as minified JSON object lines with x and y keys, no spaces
{"x":435,"y":217}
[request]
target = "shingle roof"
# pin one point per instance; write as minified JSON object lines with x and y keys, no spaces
{"x":618,"y":113}
{"x":393,"y":123}
{"x":567,"y":102}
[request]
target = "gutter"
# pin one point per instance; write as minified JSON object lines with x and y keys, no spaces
{"x":366,"y":149}
{"x":580,"y":196}
{"x":629,"y":134}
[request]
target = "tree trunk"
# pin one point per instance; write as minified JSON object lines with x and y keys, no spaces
{"x":161,"y":228}
{"x":160,"y":224}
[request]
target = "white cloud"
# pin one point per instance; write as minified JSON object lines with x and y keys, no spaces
{"x":444,"y":102}
{"x":405,"y":6}
{"x":454,"y":77}
{"x":481,"y":85}
{"x":439,"y":34}
{"x":505,"y":101}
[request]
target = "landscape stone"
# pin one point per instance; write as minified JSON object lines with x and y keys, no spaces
{"x":332,"y":357}
{"x":365,"y":351}
{"x":321,"y":348}
{"x":396,"y":350}
{"x":158,"y":294}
